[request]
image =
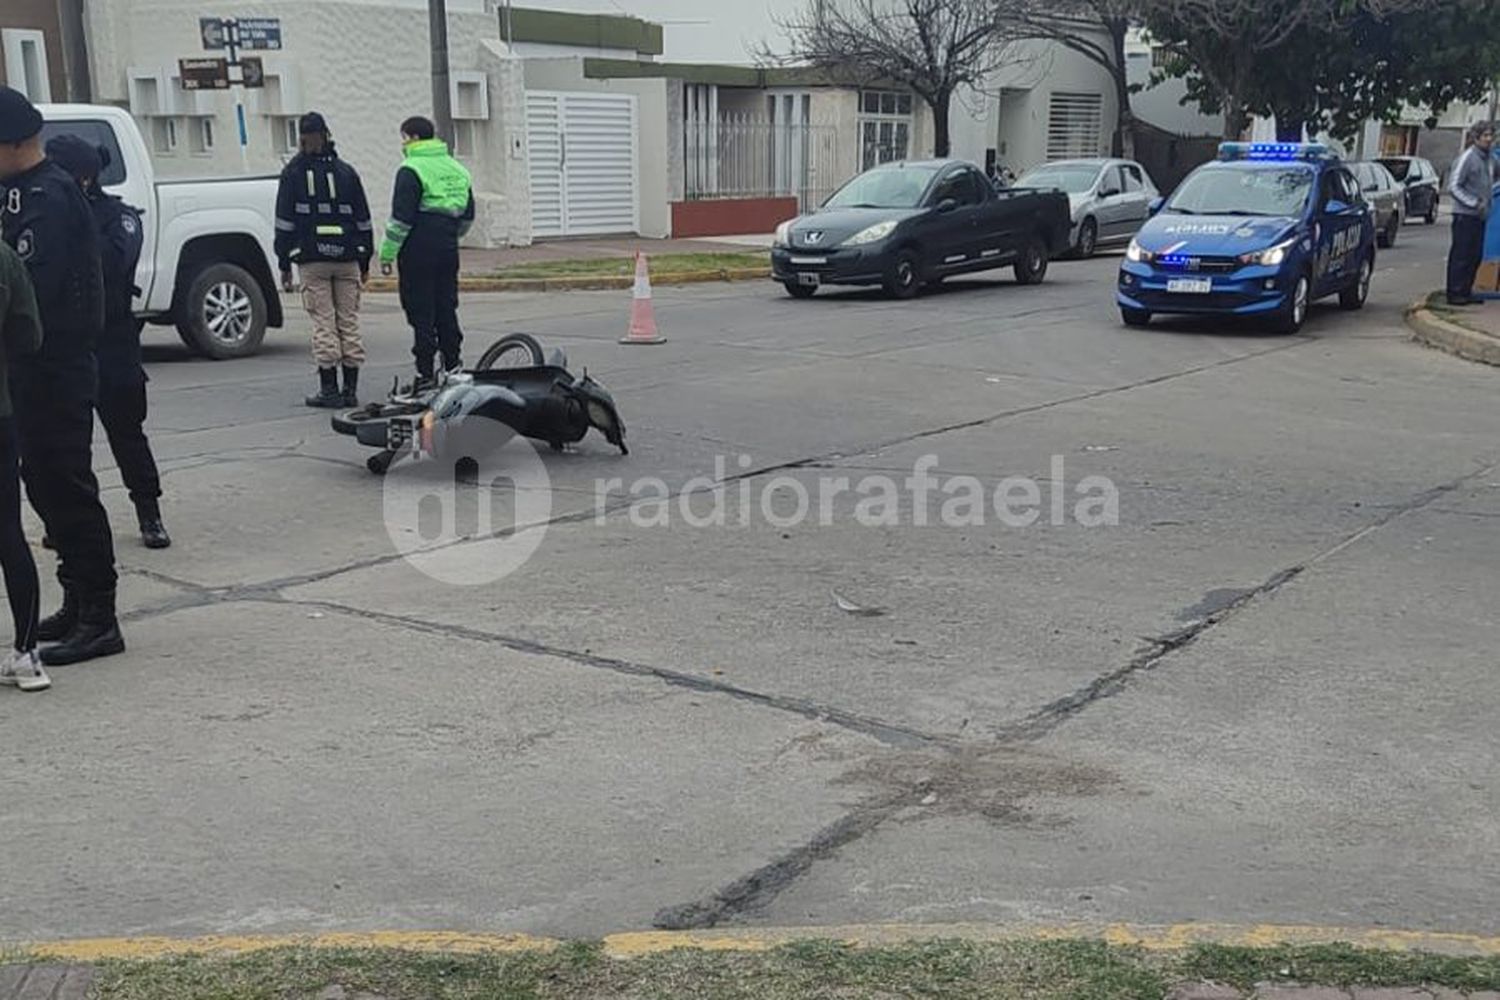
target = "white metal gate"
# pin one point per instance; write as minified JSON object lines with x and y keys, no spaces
{"x":1075,"y":124}
{"x":583,"y":156}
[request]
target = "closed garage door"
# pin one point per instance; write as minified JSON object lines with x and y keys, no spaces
{"x":582,"y":163}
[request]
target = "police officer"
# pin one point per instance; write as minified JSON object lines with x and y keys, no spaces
{"x":46,"y":220}
{"x":323,"y":226}
{"x":122,"y":379}
{"x":432,"y":209}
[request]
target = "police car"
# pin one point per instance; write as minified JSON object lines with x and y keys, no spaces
{"x":1263,"y":231}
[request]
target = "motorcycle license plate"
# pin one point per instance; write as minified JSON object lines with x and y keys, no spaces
{"x":1191,"y":286}
{"x":812,"y":280}
{"x":398,"y":434}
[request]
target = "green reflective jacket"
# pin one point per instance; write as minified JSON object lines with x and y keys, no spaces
{"x":443,"y":191}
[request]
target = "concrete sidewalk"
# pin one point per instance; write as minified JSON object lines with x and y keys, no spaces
{"x":479,"y":262}
{"x":1471,"y":332}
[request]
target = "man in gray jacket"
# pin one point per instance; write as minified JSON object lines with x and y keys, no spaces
{"x":1472,"y":185}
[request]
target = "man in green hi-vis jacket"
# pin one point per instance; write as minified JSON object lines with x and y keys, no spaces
{"x":432,"y":209}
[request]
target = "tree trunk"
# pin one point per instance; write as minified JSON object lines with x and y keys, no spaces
{"x":941,"y":142}
{"x":1124,"y":141}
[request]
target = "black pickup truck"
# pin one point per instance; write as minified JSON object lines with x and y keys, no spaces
{"x":909,"y":224}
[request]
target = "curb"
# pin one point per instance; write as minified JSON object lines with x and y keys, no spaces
{"x":1173,"y":937}
{"x":579,"y":283}
{"x":1434,"y":331}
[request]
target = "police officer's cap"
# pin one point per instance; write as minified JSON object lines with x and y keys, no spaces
{"x":19,"y":118}
{"x":77,"y":156}
{"x":312,"y":123}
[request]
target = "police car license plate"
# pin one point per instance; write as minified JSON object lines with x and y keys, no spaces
{"x":1192,"y":286}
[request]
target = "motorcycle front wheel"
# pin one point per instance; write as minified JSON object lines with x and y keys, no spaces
{"x":514,"y":350}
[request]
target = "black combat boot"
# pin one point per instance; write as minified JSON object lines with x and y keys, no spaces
{"x":153,"y":531}
{"x":96,"y":634}
{"x":351,"y":386}
{"x":328,"y":396}
{"x":55,"y":627}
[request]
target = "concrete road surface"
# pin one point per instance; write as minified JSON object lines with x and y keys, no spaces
{"x":1266,"y":692}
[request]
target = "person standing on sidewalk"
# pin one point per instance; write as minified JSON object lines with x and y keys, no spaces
{"x":323,"y":226}
{"x":121,"y":402}
{"x":46,"y":220}
{"x":20,"y":336}
{"x":431,"y":211}
{"x":1472,"y":185}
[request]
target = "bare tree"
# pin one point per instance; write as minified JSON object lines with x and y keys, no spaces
{"x":933,"y":47}
{"x":1095,"y":29}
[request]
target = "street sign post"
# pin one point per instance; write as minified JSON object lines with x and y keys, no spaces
{"x":233,"y":34}
{"x":204,"y":74}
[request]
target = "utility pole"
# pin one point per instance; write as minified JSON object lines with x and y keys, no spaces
{"x":442,"y":101}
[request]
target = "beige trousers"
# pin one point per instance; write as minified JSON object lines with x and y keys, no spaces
{"x":330,"y":294}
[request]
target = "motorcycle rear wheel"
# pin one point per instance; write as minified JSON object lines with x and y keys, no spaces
{"x":514,"y":350}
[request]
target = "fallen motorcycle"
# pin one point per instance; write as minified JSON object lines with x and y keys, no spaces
{"x":514,"y":383}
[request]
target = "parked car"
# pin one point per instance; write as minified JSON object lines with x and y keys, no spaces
{"x":1108,"y":199}
{"x":1385,"y":195}
{"x":207,"y":260}
{"x":908,"y":224}
{"x":1263,"y":232}
{"x":1422,"y":183}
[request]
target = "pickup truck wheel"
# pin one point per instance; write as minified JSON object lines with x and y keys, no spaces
{"x":223,"y":313}
{"x":904,"y":280}
{"x":1431,"y":217}
{"x":797,"y":290}
{"x":1031,"y":269}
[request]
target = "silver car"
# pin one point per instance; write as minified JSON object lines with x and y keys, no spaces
{"x":1386,"y":195}
{"x":1111,"y":199}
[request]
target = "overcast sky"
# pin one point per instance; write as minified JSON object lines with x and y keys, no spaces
{"x":724,"y":31}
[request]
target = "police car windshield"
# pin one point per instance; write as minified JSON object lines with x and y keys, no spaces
{"x":884,"y":187}
{"x":1244,"y":191}
{"x":1072,"y":179}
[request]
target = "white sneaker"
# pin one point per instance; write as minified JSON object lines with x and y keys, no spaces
{"x":25,"y":672}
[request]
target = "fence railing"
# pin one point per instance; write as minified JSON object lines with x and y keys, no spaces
{"x":743,"y":156}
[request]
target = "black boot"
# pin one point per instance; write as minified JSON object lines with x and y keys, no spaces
{"x":153,"y":531}
{"x":96,"y":634}
{"x":328,"y":396}
{"x":56,"y":627}
{"x":351,"y":386}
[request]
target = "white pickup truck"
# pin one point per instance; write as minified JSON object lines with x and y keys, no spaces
{"x":207,"y":266}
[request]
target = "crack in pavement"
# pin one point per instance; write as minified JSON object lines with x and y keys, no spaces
{"x":759,"y":887}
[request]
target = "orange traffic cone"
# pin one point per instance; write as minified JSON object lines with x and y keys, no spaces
{"x":642,"y":316}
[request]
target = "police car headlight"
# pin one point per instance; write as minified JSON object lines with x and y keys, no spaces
{"x":1271,"y":256}
{"x":784,"y":234}
{"x":1139,"y":254}
{"x":879,"y":231}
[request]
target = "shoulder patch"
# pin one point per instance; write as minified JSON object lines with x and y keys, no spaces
{"x":25,"y":245}
{"x":127,"y":223}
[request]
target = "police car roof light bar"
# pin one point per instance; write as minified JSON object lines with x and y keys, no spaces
{"x":1286,"y":152}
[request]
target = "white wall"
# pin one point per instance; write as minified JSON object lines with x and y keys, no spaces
{"x":1038,"y":70}
{"x":364,"y":80}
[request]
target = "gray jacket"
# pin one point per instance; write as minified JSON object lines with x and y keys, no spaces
{"x":1472,"y":184}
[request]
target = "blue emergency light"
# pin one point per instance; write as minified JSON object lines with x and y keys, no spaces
{"x":1285,"y":152}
